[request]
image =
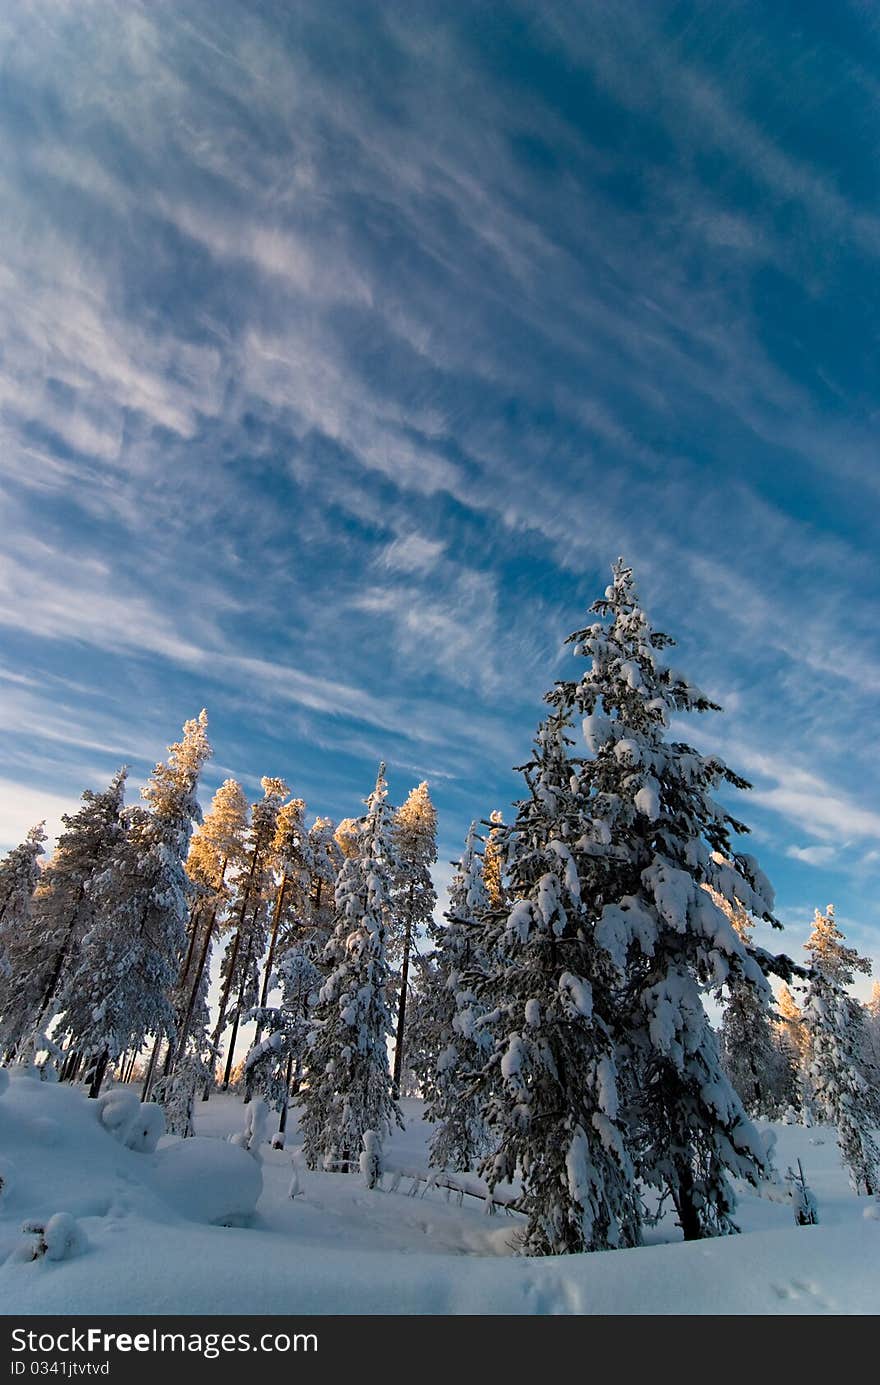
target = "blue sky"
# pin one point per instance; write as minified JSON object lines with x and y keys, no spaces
{"x":343,"y":347}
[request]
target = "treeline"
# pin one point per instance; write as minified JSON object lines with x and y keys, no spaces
{"x":554,"y":1021}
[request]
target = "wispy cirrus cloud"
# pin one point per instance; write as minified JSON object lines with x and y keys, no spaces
{"x":341,"y":350}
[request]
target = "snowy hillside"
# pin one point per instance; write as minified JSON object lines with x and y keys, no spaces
{"x":145,"y":1238}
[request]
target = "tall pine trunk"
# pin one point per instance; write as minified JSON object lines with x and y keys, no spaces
{"x":401,"y":1008}
{"x":98,"y":1074}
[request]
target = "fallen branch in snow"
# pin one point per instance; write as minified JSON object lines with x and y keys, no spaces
{"x":453,"y":1185}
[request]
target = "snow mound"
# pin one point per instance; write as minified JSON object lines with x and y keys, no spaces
{"x":208,"y":1180}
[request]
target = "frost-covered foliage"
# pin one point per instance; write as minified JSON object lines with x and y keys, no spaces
{"x":414,"y":851}
{"x":276,"y":1060}
{"x":349,"y":1088}
{"x":756,"y":1063}
{"x":252,"y":890}
{"x":178,"y":1089}
{"x":61,"y":914}
{"x":119,"y":990}
{"x":450,"y":1047}
{"x":792,"y":1045}
{"x":19,"y":873}
{"x":654,"y":837}
{"x":325,"y":863}
{"x":551,"y":1077}
{"x":836,"y":1055}
{"x":872,"y":1039}
{"x":493,"y":861}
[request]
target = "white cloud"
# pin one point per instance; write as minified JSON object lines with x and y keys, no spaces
{"x":813,"y":855}
{"x":22,"y":806}
{"x":412,"y":552}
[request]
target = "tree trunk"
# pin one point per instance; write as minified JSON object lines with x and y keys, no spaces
{"x":227,"y":989}
{"x":151,"y":1069}
{"x":70,"y":1065}
{"x":282,"y":1119}
{"x":224,"y":1086}
{"x":52,"y":984}
{"x":98,"y":1075}
{"x":401,"y":1009}
{"x":224,"y":1005}
{"x":273,"y":939}
{"x":683,"y":1197}
{"x":194,"y":992}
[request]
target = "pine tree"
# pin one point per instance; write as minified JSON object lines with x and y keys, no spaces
{"x":872,"y":1029}
{"x":792,"y":1043}
{"x":413,"y":896}
{"x":120,"y":989}
{"x":551,"y":1079}
{"x":349,"y":1088}
{"x":749,"y":1052}
{"x":252,"y":889}
{"x":325,"y":862}
{"x":216,"y":853}
{"x":292,"y":856}
{"x":19,"y":874}
{"x":451,"y":1045}
{"x":656,"y":836}
{"x":493,"y":865}
{"x":836,"y":1053}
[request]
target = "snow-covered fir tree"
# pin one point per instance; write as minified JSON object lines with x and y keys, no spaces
{"x":349,"y":1087}
{"x":655,"y":837}
{"x":551,"y":1079}
{"x":252,"y":890}
{"x":451,"y":1046}
{"x":19,"y":874}
{"x":119,"y":991}
{"x":413,"y":897}
{"x":837,"y":1050}
{"x":750,"y":1053}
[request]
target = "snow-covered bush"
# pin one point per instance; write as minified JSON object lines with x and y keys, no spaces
{"x":60,"y":1238}
{"x":135,"y":1124}
{"x":371,"y":1159}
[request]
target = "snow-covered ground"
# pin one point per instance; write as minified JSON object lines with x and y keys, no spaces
{"x":146,"y":1238}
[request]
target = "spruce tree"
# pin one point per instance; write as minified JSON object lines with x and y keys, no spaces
{"x":412,"y":896}
{"x":550,"y":1082}
{"x":120,"y":990}
{"x":655,"y":837}
{"x":750,"y":1053}
{"x":837,"y":1049}
{"x":19,"y":874}
{"x":349,"y":1087}
{"x":451,"y":1046}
